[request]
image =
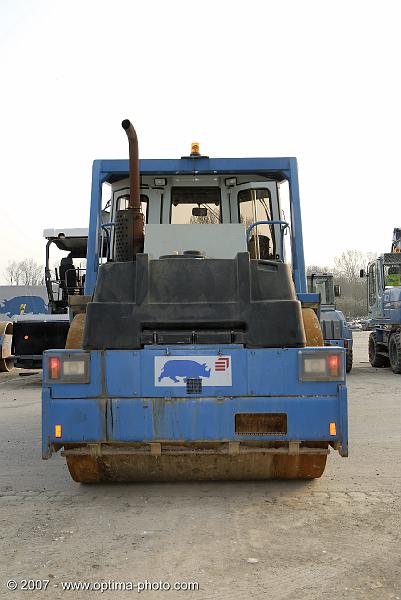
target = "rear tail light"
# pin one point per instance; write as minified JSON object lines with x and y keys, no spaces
{"x":71,"y":367}
{"x":54,"y":367}
{"x":333,"y":363}
{"x":321,"y":365}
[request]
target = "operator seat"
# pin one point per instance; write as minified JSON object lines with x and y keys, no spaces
{"x":68,"y":277}
{"x":264,"y":247}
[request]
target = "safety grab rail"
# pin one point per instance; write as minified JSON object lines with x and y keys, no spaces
{"x":104,"y":226}
{"x":283,"y":227}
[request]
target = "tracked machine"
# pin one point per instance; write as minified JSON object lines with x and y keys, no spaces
{"x":200,"y":356}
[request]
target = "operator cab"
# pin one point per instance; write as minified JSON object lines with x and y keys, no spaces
{"x":211,"y":268}
{"x":323,"y":284}
{"x":384,"y":283}
{"x":225,"y":206}
{"x":68,"y":277}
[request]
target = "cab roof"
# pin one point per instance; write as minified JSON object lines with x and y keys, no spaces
{"x":274,"y":168}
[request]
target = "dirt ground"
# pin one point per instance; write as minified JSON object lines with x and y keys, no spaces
{"x":337,"y":537}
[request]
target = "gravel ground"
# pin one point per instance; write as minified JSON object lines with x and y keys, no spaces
{"x":334,"y":537}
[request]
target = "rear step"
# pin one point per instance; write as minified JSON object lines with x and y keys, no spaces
{"x":158,"y":448}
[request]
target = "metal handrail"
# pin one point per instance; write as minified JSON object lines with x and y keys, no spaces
{"x":283,"y":224}
{"x":104,"y":226}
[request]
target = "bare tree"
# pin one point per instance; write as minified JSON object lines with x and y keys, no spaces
{"x":318,"y":269}
{"x":209,"y":219}
{"x":25,"y":272}
{"x":349,"y":263}
{"x":346,"y":272}
{"x":13,"y":273}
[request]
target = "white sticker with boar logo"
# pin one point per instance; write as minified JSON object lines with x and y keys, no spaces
{"x":174,"y":371}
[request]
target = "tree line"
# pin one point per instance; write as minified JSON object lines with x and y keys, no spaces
{"x":346,"y":269}
{"x":24,"y":272}
{"x":347,"y":266}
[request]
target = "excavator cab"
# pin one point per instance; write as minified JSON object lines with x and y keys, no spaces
{"x":384,"y":303}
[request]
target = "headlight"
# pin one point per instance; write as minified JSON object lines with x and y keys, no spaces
{"x":321,"y":366}
{"x":68,"y":368}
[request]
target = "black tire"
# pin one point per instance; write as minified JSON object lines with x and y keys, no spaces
{"x":348,"y":360}
{"x":394,"y":352}
{"x":376,"y":360}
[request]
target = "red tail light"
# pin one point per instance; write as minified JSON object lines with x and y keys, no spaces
{"x":68,"y":367}
{"x":333,"y":362}
{"x":321,"y":365}
{"x":54,"y":367}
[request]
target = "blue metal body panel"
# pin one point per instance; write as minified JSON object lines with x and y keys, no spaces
{"x":129,"y":407}
{"x":344,"y":343}
{"x":81,"y":420}
{"x":306,"y":297}
{"x":189,"y":419}
{"x":392,"y":297}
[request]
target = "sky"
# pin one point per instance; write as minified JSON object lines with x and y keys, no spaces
{"x":311,"y":79}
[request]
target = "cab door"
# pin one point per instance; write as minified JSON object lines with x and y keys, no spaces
{"x":374,"y":291}
{"x":258,"y":201}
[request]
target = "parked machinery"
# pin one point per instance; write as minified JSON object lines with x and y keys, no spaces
{"x":30,"y":332}
{"x":200,"y":355}
{"x":332,"y":321}
{"x":384,"y":302}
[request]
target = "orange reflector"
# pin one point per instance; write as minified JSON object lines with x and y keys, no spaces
{"x":57,"y":431}
{"x":333,"y":429}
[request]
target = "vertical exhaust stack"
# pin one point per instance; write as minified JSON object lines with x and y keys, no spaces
{"x":135,"y":195}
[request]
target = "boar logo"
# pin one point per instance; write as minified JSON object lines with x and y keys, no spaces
{"x":23,"y":305}
{"x":188,"y":369}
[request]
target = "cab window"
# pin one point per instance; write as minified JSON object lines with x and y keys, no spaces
{"x":195,"y":206}
{"x":255,"y":205}
{"x":392,"y":275}
{"x":323,"y":286}
{"x":123,"y":204}
{"x":372,"y":283}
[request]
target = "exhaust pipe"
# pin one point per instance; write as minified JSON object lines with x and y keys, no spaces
{"x":135,"y":195}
